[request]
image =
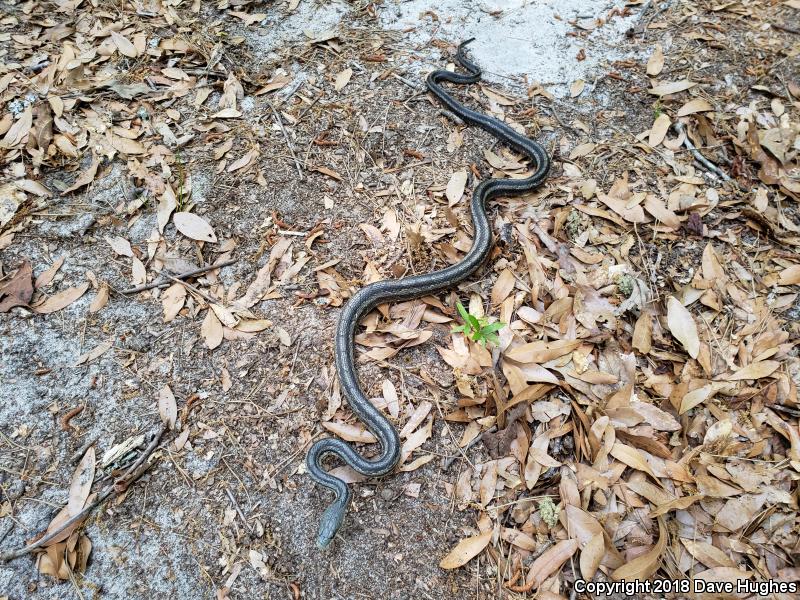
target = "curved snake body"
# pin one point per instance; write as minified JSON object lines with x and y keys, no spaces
{"x":405,"y":289}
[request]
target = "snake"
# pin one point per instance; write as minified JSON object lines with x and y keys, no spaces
{"x":408,"y":288}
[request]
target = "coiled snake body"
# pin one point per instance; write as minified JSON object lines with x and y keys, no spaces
{"x":405,"y":289}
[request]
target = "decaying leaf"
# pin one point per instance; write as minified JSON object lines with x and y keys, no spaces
{"x":682,"y":326}
{"x":466,"y":550}
{"x":194,"y":227}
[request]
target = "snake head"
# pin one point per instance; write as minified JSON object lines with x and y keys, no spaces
{"x":329,"y":524}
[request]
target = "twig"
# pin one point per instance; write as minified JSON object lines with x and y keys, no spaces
{"x":785,"y":28}
{"x":78,"y":454}
{"x":410,"y":84}
{"x":451,"y":459}
{"x":681,"y":129}
{"x":239,"y":510}
{"x":161,"y":283}
{"x":190,"y":287}
{"x":288,"y":141}
{"x":119,"y":486}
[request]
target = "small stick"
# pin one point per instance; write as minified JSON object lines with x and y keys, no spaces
{"x":190,"y":287}
{"x":162,"y":283}
{"x":118,"y":487}
{"x":681,"y":129}
{"x":451,"y":459}
{"x":288,"y":141}
{"x":239,"y":510}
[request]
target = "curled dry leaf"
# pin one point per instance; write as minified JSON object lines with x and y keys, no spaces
{"x":100,"y":299}
{"x":682,"y":326}
{"x":644,"y":566}
{"x":466,"y":550}
{"x":342,"y":79}
{"x":18,"y":290}
{"x":194,"y":227}
{"x":550,"y":562}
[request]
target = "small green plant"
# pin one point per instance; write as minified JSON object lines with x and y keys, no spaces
{"x":549,"y":512}
{"x":478,"y":329}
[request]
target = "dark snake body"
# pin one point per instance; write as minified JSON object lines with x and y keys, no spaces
{"x":408,"y":288}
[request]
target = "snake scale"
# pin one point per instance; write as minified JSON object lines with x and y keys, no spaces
{"x":408,"y":288}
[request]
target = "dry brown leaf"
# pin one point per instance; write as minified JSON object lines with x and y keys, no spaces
{"x":677,"y":504}
{"x":659,"y":129}
{"x":350,"y":433}
{"x":656,"y":61}
{"x":86,"y":177}
{"x":138,"y":272}
{"x":18,"y":290}
{"x":61,"y":300}
{"x":100,"y":299}
{"x":540,"y":352}
{"x":631,"y":457}
{"x":466,"y":550}
{"x":342,"y":79}
{"x":194,"y":227}
{"x":172,"y":301}
{"x":120,"y":245}
{"x":550,"y":562}
{"x":124,"y":45}
{"x":709,"y":555}
{"x":81,"y":485}
{"x":211,"y":330}
{"x":167,"y":407}
{"x":672,"y":87}
{"x":694,"y":106}
{"x":392,"y":400}
{"x":682,"y":326}
{"x":592,"y":554}
{"x":455,"y":187}
{"x":577,"y":88}
{"x":755,"y":370}
{"x":644,"y":566}
{"x":503,"y":286}
{"x":166,"y":205}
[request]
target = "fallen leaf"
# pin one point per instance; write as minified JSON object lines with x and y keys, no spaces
{"x":342,"y":79}
{"x":120,"y":245}
{"x":656,"y":61}
{"x":755,"y":370}
{"x":576,"y":88}
{"x":673,"y":87}
{"x":455,"y":187}
{"x":100,"y":299}
{"x":644,"y":566}
{"x":61,"y":300}
{"x":211,"y":330}
{"x":659,"y":130}
{"x":167,"y":407}
{"x":694,"y":106}
{"x":124,"y":45}
{"x":172,"y":301}
{"x":466,"y":550}
{"x":350,"y":433}
{"x":18,"y":290}
{"x":194,"y":227}
{"x":682,"y":326}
